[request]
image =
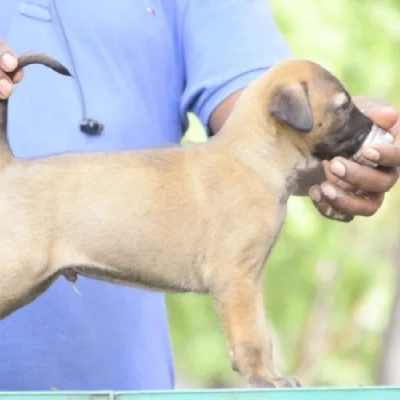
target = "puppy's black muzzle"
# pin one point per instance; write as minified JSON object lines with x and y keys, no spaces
{"x":345,"y":140}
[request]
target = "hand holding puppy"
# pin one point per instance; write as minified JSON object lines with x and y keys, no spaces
{"x":335,"y":198}
{"x":8,"y":63}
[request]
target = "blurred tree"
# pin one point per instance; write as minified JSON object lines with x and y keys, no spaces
{"x":388,"y":369}
{"x":329,"y":286}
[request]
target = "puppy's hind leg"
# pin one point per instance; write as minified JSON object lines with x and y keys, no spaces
{"x":21,"y":282}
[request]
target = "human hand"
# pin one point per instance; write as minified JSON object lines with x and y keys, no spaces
{"x":8,"y":63}
{"x":351,"y":189}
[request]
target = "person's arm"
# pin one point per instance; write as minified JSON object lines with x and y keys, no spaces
{"x":225,"y":45}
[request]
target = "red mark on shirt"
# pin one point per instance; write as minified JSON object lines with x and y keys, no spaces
{"x":151,"y":10}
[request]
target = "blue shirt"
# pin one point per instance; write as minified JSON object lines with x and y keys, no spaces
{"x":142,"y":65}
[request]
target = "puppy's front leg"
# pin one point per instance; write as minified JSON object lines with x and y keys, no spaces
{"x":241,"y":309}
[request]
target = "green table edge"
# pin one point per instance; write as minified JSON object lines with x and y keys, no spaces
{"x":320,"y":393}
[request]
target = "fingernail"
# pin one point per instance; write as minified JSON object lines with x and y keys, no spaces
{"x":371,"y":154}
{"x":329,"y":191}
{"x":338,"y":168}
{"x":9,"y":62}
{"x":315,"y":194}
{"x":5,"y":88}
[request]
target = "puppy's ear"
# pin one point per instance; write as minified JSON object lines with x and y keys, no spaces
{"x":291,"y":106}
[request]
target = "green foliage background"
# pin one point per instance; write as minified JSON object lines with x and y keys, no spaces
{"x":328,"y":285}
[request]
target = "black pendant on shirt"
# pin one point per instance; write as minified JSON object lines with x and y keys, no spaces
{"x":91,"y":126}
{"x":87,"y":125}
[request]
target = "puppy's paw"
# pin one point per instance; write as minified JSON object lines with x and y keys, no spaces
{"x":286,"y":382}
{"x":281,"y":382}
{"x":260,"y":382}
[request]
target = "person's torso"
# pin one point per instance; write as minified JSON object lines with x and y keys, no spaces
{"x":124,"y":56}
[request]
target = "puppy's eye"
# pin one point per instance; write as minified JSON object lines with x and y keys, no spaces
{"x":341,"y":101}
{"x":345,"y":105}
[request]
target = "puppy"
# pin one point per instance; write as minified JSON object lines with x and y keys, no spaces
{"x":199,"y":218}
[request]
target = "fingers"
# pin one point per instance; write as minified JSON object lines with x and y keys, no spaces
{"x":362,"y":177}
{"x":335,"y":203}
{"x":324,"y":208}
{"x":6,"y":87}
{"x":338,"y":198}
{"x":365,"y":103}
{"x":388,"y":118}
{"x":385,"y":155}
{"x":8,"y":63}
{"x":357,"y":190}
{"x":335,"y":177}
{"x":381,"y":113}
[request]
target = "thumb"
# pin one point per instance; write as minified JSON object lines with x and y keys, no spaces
{"x":382,"y":113}
{"x":384,"y":116}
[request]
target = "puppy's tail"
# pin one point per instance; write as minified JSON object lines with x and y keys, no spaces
{"x":6,"y":155}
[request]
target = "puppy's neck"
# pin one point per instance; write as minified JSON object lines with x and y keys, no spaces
{"x":252,"y":136}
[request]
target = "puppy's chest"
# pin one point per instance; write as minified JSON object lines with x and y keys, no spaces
{"x":288,"y":189}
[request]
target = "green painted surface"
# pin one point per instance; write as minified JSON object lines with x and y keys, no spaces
{"x":57,"y":396}
{"x":364,"y":393}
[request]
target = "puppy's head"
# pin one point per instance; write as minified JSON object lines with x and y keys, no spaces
{"x":315,"y":109}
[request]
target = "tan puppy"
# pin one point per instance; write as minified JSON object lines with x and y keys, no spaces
{"x":199,"y":218}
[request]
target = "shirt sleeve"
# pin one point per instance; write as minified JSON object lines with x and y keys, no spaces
{"x":226,"y":44}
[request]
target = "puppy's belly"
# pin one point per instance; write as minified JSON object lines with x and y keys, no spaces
{"x":135,"y":279}
{"x":135,"y":268}
{"x":135,"y":235}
